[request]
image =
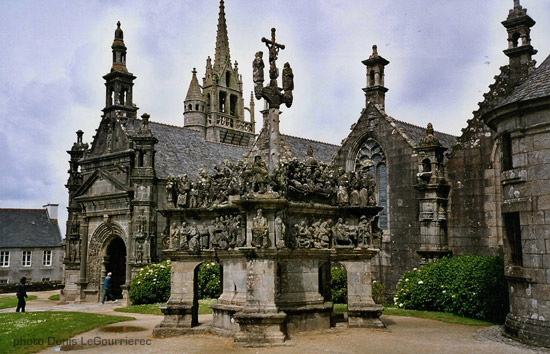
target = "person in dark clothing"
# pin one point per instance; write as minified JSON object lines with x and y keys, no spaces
{"x":21,"y":295}
{"x":107,"y":284}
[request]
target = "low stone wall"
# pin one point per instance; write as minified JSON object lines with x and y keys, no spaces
{"x":38,"y":286}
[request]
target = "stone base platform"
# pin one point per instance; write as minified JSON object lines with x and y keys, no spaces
{"x":526,"y":330}
{"x":258,"y":329}
{"x":365,"y":316}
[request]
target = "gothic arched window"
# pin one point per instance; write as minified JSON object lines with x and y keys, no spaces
{"x":371,"y":155}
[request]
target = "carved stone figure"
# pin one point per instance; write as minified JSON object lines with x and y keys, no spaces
{"x":193,"y":238}
{"x":182,"y":236}
{"x":260,"y":175}
{"x":258,"y":68}
{"x":303,"y":235}
{"x":139,"y":253}
{"x":280,"y":231}
{"x":364,"y":238}
{"x":260,"y":232}
{"x":184,"y":186}
{"x":174,"y":236}
{"x":204,"y":236}
{"x":170,"y":184}
{"x":342,"y":235}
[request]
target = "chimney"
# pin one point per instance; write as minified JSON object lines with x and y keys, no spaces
{"x":52,"y":211}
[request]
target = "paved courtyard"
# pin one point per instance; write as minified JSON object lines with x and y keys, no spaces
{"x":402,"y":335}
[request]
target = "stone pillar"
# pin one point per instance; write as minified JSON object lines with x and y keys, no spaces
{"x":274,"y":139}
{"x":83,"y":281}
{"x":260,"y":322}
{"x":232,"y":299}
{"x":362,"y":311}
{"x":181,"y":310}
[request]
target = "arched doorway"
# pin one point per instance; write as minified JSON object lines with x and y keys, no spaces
{"x":115,"y":262}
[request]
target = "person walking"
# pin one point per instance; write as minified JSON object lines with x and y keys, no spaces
{"x":107,"y":288}
{"x":21,"y":293}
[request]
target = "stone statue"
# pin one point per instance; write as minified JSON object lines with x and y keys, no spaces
{"x":258,"y":68}
{"x":260,"y":232}
{"x":342,"y":236}
{"x":303,"y":235}
{"x":288,"y":85}
{"x":280,"y":230}
{"x":139,"y":253}
{"x":193,"y":237}
{"x":260,"y":175}
{"x":170,"y":183}
{"x":364,"y":238}
{"x":174,"y":236}
{"x":184,"y":186}
{"x":204,"y":236}
{"x":182,"y":236}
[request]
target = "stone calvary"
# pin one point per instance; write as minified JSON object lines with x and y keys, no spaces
{"x":276,"y":229}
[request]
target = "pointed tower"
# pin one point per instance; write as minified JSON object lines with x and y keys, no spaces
{"x":119,"y":82}
{"x":195,"y":105}
{"x":222,"y":56}
{"x":518,"y":25}
{"x":222,"y":119}
{"x":375,"y":91}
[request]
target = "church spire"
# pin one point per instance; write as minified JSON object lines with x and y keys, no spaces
{"x":222,"y":41}
{"x":194,"y":92}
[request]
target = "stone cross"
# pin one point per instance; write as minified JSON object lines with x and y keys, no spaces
{"x":273,"y":94}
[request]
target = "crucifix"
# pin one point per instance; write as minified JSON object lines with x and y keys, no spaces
{"x":273,"y":94}
{"x":273,"y":48}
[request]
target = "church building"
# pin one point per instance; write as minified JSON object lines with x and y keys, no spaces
{"x":485,"y":192}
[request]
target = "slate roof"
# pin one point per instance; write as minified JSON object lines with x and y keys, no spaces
{"x":537,"y":85}
{"x":321,"y":151}
{"x":20,"y":228}
{"x":182,"y":150}
{"x":416,"y":133}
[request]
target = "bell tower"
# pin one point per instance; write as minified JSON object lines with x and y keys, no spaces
{"x":217,"y":108}
{"x":518,"y":25}
{"x":119,"y":82}
{"x":375,"y":91}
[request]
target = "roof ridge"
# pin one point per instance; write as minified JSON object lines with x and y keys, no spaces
{"x":25,"y":209}
{"x":417,"y":126}
{"x":312,"y":140}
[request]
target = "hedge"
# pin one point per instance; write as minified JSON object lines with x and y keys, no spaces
{"x":151,"y":284}
{"x":469,"y":286}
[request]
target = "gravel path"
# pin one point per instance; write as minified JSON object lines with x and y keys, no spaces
{"x":402,"y":335}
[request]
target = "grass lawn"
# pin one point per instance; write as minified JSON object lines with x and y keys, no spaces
{"x":153,"y":309}
{"x":46,"y":329}
{"x":11,"y":301}
{"x":54,"y":297}
{"x":430,"y":315}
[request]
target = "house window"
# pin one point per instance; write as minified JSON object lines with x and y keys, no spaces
{"x":371,"y":156}
{"x":4,"y":281}
{"x":26,"y":259}
{"x":513,"y":234}
{"x":506,"y":142}
{"x":46,"y":279}
{"x":4,"y":258}
{"x":47,"y":258}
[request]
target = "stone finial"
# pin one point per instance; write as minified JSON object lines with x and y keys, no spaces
{"x":145,"y":118}
{"x":375,"y":50}
{"x":430,"y":129}
{"x":517,"y":5}
{"x":79,"y":135}
{"x":119,"y":34}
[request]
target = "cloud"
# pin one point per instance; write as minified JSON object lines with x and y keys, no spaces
{"x":54,"y":55}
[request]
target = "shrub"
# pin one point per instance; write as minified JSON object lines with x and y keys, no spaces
{"x":378,"y":292}
{"x":151,"y":284}
{"x":209,"y":280}
{"x":469,"y":286}
{"x":338,"y":285}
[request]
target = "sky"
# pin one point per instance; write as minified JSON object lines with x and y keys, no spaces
{"x":443,"y":55}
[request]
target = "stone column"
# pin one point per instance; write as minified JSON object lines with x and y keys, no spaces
{"x":362,"y":311}
{"x":260,"y":322}
{"x":274,"y":139}
{"x":181,"y":310}
{"x":83,"y":281}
